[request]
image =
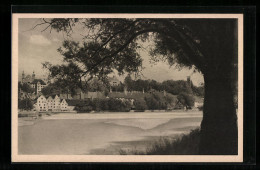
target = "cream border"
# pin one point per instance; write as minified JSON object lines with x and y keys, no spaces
{"x":122,"y":158}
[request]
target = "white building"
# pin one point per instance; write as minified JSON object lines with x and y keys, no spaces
{"x":50,"y":104}
{"x":63,"y":105}
{"x":36,"y":84}
{"x":56,"y":104}
{"x":41,"y":104}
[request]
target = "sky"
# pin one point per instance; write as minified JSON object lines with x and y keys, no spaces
{"x":36,"y":46}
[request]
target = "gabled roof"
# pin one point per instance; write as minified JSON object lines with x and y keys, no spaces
{"x":50,"y":98}
{"x":41,"y":97}
{"x":63,"y":100}
{"x":56,"y":97}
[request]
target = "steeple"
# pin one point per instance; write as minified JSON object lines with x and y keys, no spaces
{"x":23,"y":76}
{"x":33,"y":76}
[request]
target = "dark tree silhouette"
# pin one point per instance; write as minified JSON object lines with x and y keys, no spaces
{"x":208,"y":44}
{"x":25,"y":104}
{"x":25,"y":87}
{"x":186,"y":100}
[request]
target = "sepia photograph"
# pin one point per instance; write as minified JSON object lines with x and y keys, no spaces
{"x":127,"y":87}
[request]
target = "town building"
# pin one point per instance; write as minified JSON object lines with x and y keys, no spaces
{"x":28,"y":78}
{"x":52,"y":104}
{"x":41,"y":104}
{"x":36,"y":84}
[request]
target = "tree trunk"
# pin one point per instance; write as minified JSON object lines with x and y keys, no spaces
{"x":219,"y":132}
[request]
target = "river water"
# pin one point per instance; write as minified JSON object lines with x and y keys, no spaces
{"x":100,"y":133}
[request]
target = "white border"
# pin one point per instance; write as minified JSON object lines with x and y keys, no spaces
{"x":122,"y":158}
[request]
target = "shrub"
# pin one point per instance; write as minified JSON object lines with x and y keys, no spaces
{"x":186,"y":99}
{"x":118,"y":105}
{"x":110,"y":104}
{"x":156,"y":101}
{"x":25,"y":104}
{"x":151,"y":103}
{"x":140,"y":104}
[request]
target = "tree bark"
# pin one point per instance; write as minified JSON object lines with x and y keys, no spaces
{"x":219,"y":132}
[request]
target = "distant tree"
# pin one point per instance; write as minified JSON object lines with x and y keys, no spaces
{"x":25,"y":87}
{"x":140,"y":104}
{"x":106,"y":92}
{"x":25,"y":104}
{"x":199,"y":91}
{"x":186,"y":99}
{"x":151,"y":103}
{"x":155,"y":85}
{"x":51,"y":89}
{"x":128,"y":82}
{"x":97,"y":85}
{"x":56,"y":88}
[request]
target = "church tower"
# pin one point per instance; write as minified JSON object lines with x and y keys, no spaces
{"x":23,"y":76}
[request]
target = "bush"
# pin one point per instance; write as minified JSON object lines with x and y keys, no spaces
{"x":118,"y":105}
{"x":140,"y":104}
{"x":156,"y":101}
{"x":151,"y":103}
{"x":186,"y":99}
{"x":101,"y":104}
{"x":25,"y":104}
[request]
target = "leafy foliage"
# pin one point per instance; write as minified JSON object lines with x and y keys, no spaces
{"x":109,"y":104}
{"x":25,"y":104}
{"x":54,"y":89}
{"x":176,"y":87}
{"x":25,"y":87}
{"x":140,"y":104}
{"x":186,"y":99}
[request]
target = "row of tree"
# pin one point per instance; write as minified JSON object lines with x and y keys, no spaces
{"x":109,"y":104}
{"x":154,"y":101}
{"x":170,"y":86}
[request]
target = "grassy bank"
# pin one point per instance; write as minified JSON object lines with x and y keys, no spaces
{"x":184,"y":145}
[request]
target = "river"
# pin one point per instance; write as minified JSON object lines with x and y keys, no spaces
{"x":100,"y":133}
